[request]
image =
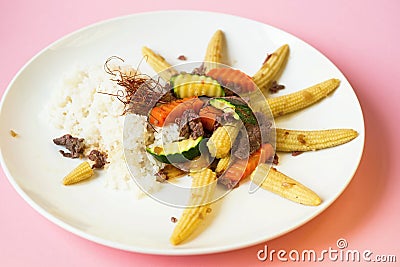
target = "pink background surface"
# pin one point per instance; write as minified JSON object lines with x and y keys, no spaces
{"x":361,"y":37}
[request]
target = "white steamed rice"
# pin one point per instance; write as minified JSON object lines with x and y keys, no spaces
{"x":77,"y":108}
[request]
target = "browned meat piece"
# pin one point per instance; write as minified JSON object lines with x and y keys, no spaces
{"x":275,"y":87}
{"x":182,"y":57}
{"x":75,"y":145}
{"x":252,"y":136}
{"x":189,"y":124}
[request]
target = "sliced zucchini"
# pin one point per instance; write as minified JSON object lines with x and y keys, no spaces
{"x":238,"y":108}
{"x":188,"y":85}
{"x":177,"y":152}
{"x":225,"y":106}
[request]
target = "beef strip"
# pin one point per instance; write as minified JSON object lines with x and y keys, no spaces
{"x":241,"y":148}
{"x":184,"y":131}
{"x":190,"y":125}
{"x":248,"y":141}
{"x":75,"y":145}
{"x":196,"y":128}
{"x":252,"y":136}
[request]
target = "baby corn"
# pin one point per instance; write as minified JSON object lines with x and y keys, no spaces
{"x":82,"y":172}
{"x":221,"y":141}
{"x":272,"y":68}
{"x":285,"y":104}
{"x":214,"y":52}
{"x":222,"y":165}
{"x":203,"y":187}
{"x":297,"y":140}
{"x":159,"y":64}
{"x":276,"y":182}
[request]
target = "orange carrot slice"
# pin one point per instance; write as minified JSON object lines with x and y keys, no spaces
{"x":241,"y":169}
{"x":168,"y":112}
{"x":235,"y":80}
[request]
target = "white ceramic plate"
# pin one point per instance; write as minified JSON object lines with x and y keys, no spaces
{"x":116,"y":218}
